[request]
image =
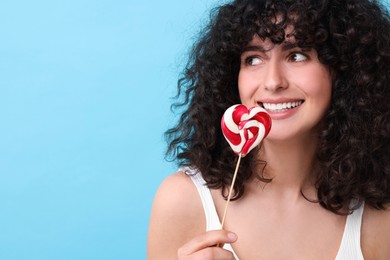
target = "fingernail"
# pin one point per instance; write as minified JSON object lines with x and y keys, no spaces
{"x":232,"y":237}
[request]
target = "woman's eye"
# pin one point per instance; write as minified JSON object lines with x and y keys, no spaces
{"x":297,"y":57}
{"x":253,"y":61}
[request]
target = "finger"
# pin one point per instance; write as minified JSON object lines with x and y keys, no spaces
{"x":208,"y":239}
{"x":213,"y":253}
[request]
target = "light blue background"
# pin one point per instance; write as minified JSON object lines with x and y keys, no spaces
{"x":85,"y":91}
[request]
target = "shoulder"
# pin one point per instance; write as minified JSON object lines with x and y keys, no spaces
{"x":175,"y":194}
{"x":376,"y":233}
{"x":176,"y":216}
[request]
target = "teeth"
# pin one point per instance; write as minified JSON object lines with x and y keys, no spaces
{"x":281,"y":106}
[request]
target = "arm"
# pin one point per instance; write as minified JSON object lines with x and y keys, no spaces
{"x":177,"y":217}
{"x":376,"y":234}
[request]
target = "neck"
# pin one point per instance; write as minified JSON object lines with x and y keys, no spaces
{"x":290,"y":164}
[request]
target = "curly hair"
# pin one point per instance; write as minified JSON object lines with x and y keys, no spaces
{"x":351,"y":37}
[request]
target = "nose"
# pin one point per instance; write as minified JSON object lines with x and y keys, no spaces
{"x":274,"y":77}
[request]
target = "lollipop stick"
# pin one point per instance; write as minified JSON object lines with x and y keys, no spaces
{"x":231,"y":190}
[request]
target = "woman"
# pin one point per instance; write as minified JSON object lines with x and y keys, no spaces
{"x":318,"y":187}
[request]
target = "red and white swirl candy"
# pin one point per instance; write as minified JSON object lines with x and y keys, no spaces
{"x":244,"y":128}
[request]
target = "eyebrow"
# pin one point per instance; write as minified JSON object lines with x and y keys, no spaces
{"x":285,"y":47}
{"x":289,"y":45}
{"x":254,"y":48}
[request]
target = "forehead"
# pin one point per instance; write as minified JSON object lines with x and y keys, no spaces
{"x":267,"y":44}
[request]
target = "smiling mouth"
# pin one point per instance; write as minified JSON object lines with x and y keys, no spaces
{"x":280,"y":107}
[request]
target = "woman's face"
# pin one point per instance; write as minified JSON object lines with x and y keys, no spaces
{"x":289,"y":82}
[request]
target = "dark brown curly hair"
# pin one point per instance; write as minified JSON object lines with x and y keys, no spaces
{"x":351,"y":37}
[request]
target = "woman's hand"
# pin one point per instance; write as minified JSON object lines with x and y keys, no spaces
{"x":205,"y":246}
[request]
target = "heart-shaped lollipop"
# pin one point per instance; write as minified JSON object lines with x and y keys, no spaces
{"x":244,"y":128}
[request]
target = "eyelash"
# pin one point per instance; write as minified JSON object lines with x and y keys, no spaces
{"x":249,"y":60}
{"x":290,"y":57}
{"x":305,"y":56}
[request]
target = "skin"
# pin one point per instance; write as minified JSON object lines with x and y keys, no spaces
{"x":177,"y":228}
{"x":177,"y":224}
{"x":271,"y":221}
{"x":286,"y":74}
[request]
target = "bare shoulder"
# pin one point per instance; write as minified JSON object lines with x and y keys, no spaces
{"x":176,"y":217}
{"x":376,"y":233}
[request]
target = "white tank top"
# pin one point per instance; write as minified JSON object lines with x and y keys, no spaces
{"x":350,"y":243}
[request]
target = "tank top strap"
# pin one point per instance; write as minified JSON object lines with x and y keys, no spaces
{"x":350,"y":247}
{"x":212,"y":219}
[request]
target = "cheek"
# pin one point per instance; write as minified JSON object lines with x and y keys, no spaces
{"x":246,"y":87}
{"x":324,"y":90}
{"x":241,"y":86}
{"x":319,"y":85}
